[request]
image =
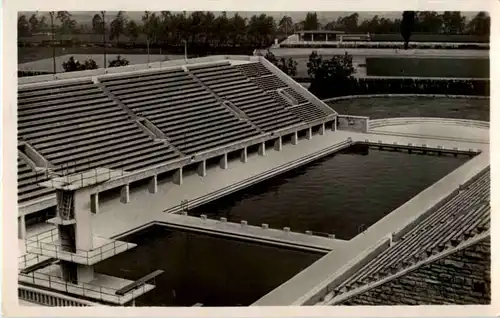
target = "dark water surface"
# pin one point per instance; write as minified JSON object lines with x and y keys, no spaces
{"x":199,"y":268}
{"x":337,"y":194}
{"x":476,"y":109}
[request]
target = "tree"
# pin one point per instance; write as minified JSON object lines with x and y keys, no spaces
{"x":73,"y":65}
{"x":23,"y":27}
{"x":429,"y":22}
{"x":132,"y":30}
{"x":407,"y":25}
{"x":117,"y":27}
{"x":332,"y":77}
{"x":238,"y":29}
{"x":222,"y":28}
{"x":453,"y":22}
{"x":150,"y":25}
{"x":33,"y":21}
{"x":68,"y":25}
{"x":97,"y":24}
{"x":480,"y":24}
{"x":119,"y":61}
{"x":311,"y":21}
{"x":286,"y":25}
{"x":288,"y":66}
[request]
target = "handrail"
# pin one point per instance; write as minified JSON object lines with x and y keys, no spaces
{"x":44,"y":242}
{"x":84,"y":289}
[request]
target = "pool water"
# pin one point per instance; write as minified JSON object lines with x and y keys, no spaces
{"x":206,"y":269}
{"x":341,"y":194}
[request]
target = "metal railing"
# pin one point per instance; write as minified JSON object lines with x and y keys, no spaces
{"x":44,"y":242}
{"x":30,"y":259}
{"x":93,"y":291}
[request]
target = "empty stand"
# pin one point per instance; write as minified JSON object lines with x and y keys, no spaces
{"x":76,"y":126}
{"x":307,"y":112}
{"x":230,"y":84}
{"x":461,"y":218}
{"x":189,"y":114}
{"x":254,"y":69}
{"x":269,"y":83}
{"x":27,"y":182}
{"x":299,"y":98}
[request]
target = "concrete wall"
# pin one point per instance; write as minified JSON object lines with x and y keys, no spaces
{"x":461,"y":278}
{"x":353,"y":123}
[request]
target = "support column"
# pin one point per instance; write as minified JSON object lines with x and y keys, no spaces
{"x":244,"y":155}
{"x":125,"y":194}
{"x":262,"y":149}
{"x":177,"y":178}
{"x":295,"y":138}
{"x":21,"y":227}
{"x":334,"y":124}
{"x":153,"y":184}
{"x":322,"y":129}
{"x":309,"y":133}
{"x":312,"y":36}
{"x":202,"y":168}
{"x":94,"y":203}
{"x":278,"y":144}
{"x":223,"y":162}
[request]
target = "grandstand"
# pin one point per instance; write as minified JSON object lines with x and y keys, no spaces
{"x":139,"y":119}
{"x":137,"y":122}
{"x":443,"y":258}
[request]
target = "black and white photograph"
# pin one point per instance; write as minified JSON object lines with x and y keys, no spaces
{"x":251,"y":158}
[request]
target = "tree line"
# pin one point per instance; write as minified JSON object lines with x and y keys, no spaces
{"x":205,"y":28}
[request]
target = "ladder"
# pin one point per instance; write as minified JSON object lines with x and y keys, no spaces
{"x":65,"y":206}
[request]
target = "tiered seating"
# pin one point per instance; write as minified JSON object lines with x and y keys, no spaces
{"x":300,"y":99}
{"x":463,"y":217}
{"x":254,"y":69}
{"x":307,"y":112}
{"x":269,"y":83}
{"x":280,"y":99}
{"x":192,"y":118}
{"x":227,"y":82}
{"x":77,"y":126}
{"x":27,"y":182}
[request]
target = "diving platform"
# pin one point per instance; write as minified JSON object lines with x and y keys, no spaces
{"x":101,"y":288}
{"x":49,"y":244}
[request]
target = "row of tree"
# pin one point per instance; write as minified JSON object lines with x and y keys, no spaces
{"x":258,"y":30}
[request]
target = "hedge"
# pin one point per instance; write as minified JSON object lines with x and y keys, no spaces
{"x":31,"y":73}
{"x":363,"y":86}
{"x":428,"y":67}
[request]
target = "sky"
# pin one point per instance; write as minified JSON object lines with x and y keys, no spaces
{"x":297,"y":16}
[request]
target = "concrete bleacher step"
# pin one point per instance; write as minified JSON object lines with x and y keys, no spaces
{"x":180,"y":127}
{"x":172,"y":103}
{"x":82,"y":128}
{"x":51,"y":142}
{"x":52,"y":91}
{"x":47,"y":123}
{"x":140,"y":77}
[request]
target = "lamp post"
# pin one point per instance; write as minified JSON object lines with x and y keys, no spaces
{"x":104,"y":35}
{"x":53,"y":40}
{"x":185,"y":50}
